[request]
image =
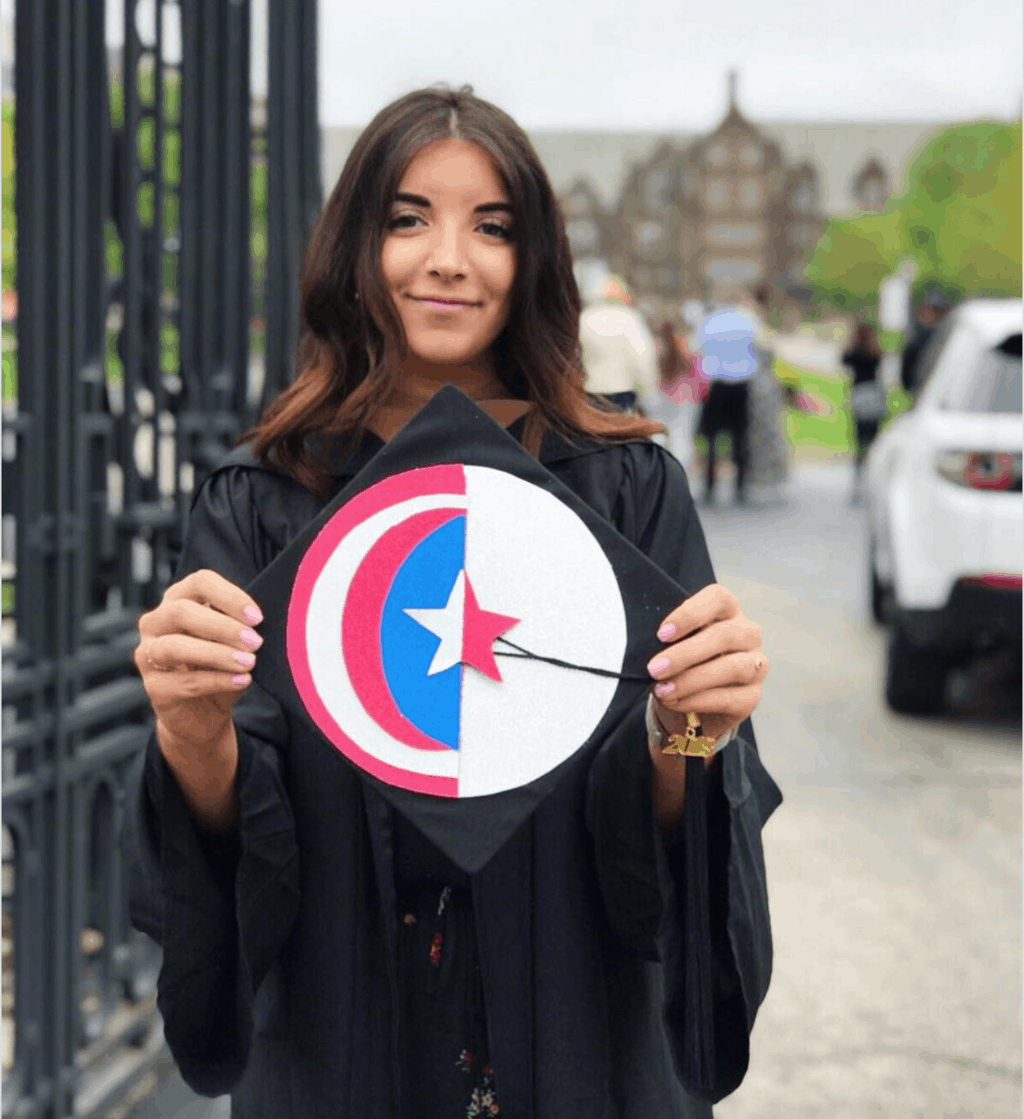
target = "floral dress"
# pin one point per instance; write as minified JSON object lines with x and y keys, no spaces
{"x":767,"y":446}
{"x":446,"y":1068}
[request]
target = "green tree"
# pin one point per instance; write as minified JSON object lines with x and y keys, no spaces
{"x":9,"y":255}
{"x":959,"y":218}
{"x":852,"y":258}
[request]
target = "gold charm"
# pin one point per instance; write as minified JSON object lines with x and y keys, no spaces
{"x":692,"y":742}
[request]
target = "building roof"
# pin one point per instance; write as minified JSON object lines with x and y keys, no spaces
{"x":838,"y":150}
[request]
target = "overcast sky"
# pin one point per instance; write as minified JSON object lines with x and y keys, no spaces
{"x":662,"y":64}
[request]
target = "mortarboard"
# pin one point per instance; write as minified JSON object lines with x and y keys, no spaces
{"x":464,"y":629}
{"x":460,"y":626}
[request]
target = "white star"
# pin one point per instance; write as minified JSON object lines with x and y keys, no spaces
{"x":447,"y":624}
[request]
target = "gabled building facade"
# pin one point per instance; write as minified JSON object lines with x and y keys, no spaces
{"x":696,"y":220}
{"x":871,"y":186}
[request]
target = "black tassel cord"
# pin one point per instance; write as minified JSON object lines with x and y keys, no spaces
{"x":698,"y":1056}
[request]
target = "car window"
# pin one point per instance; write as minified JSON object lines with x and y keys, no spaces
{"x":953,"y":347}
{"x":991,"y":383}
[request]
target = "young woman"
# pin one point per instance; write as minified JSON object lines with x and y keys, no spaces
{"x":321,"y":958}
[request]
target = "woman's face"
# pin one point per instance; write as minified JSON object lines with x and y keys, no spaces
{"x":448,"y":256}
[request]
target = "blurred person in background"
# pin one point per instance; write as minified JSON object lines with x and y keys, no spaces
{"x":867,"y":395}
{"x":927,"y":316}
{"x":767,"y":448}
{"x":618,"y":351}
{"x":681,"y":389}
{"x":744,"y":398}
{"x":726,"y":341}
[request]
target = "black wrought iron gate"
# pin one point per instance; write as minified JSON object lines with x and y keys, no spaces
{"x":155,"y":269}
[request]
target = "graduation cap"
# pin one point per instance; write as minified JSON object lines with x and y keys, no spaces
{"x":463,"y":629}
{"x":460,"y":626}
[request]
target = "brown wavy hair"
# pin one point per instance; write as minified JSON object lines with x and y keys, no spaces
{"x":351,"y":341}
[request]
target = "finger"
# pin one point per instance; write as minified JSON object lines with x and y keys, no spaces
{"x":178,"y":651}
{"x":211,"y":589}
{"x":735,"y":704}
{"x":717,"y":639}
{"x":710,"y":604}
{"x":184,"y":615}
{"x":729,"y":671}
{"x":166,"y":689}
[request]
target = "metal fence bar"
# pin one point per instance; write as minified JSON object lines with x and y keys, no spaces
{"x":132,"y":385}
{"x":293,"y":169}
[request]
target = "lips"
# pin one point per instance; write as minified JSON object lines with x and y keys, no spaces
{"x":442,"y":304}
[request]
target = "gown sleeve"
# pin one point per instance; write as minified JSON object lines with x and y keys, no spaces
{"x":220,"y":906}
{"x":642,"y":872}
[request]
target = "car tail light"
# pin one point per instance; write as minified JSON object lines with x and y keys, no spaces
{"x":981,"y":470}
{"x":996,"y":580}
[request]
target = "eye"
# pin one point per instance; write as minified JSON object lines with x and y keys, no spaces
{"x":496,"y":229}
{"x":403,"y":221}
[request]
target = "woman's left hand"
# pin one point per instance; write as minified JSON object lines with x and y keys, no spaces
{"x":713,"y":664}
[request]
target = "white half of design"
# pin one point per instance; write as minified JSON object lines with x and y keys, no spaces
{"x":530,"y":556}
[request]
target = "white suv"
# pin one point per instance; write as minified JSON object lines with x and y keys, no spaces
{"x":943,"y":488}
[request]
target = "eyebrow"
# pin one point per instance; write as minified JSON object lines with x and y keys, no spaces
{"x":486,"y":208}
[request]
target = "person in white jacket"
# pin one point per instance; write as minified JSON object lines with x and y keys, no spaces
{"x":618,"y":350}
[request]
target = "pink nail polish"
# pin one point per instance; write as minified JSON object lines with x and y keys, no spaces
{"x":246,"y":660}
{"x":667,"y":632}
{"x":658,"y":666}
{"x":240,"y":680}
{"x":250,"y":639}
{"x":663,"y":689}
{"x":252,"y":615}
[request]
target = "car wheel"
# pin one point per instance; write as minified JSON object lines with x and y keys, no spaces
{"x":915,"y":678}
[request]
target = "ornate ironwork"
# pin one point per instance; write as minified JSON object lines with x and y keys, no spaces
{"x":135,"y":285}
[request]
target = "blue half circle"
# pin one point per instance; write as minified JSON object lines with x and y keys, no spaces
{"x":424,"y":581}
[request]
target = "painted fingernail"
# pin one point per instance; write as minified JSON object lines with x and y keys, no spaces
{"x":663,"y":689}
{"x":667,"y":632}
{"x":250,"y":639}
{"x":241,"y":680}
{"x":658,"y":665}
{"x":252,"y":615}
{"x":246,"y":660}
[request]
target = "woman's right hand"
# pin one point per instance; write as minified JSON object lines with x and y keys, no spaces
{"x":196,"y":654}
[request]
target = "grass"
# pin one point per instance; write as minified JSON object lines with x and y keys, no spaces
{"x":829,"y":429}
{"x":10,"y":364}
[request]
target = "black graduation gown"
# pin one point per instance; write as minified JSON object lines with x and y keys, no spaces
{"x":279,"y":979}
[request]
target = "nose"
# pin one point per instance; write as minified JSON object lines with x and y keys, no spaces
{"x":446,"y":251}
